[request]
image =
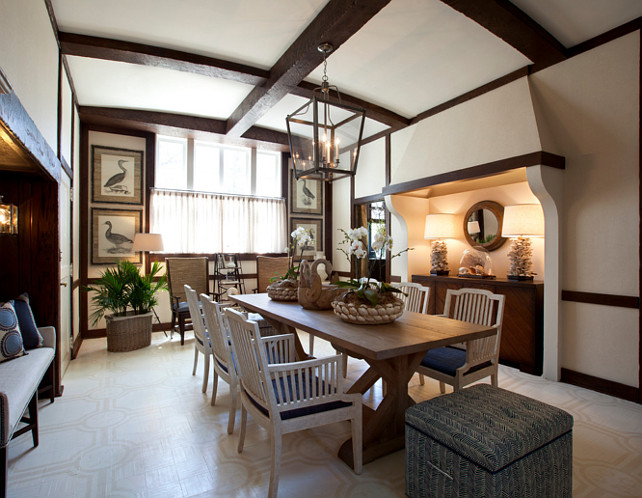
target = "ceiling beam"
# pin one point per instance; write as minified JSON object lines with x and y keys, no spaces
{"x":148,"y":55}
{"x":392,"y":119}
{"x":335,"y":24}
{"x":177,"y":124}
{"x":516,"y":28}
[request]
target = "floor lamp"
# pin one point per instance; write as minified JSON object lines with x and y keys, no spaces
{"x":144,"y":243}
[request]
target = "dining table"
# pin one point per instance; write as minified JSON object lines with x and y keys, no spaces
{"x":392,"y":351}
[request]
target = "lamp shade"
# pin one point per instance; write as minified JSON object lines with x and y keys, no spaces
{"x":439,"y":226}
{"x":473,"y":227}
{"x":147,"y":242}
{"x":523,"y":220}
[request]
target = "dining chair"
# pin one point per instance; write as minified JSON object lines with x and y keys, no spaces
{"x":223,"y":361}
{"x":267,"y":268}
{"x":285,"y":396}
{"x":201,"y":338}
{"x":459,"y":367}
{"x":181,"y":271}
{"x":415,"y":298}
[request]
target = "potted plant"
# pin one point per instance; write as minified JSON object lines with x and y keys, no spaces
{"x":367,"y":301}
{"x":285,"y":287}
{"x":128,"y":297}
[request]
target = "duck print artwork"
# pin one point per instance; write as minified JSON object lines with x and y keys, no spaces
{"x":117,"y":176}
{"x":307,"y":196}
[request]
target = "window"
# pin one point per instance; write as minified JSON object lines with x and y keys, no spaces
{"x":171,"y":163}
{"x":212,"y":198}
{"x":187,"y":164}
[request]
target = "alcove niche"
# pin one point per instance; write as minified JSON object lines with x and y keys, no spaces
{"x":528,"y":179}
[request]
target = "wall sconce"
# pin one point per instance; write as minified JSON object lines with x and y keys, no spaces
{"x":8,"y":218}
{"x":521,"y":222}
{"x":439,"y":226}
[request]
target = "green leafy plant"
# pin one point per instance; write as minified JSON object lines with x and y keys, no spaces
{"x":357,"y":241}
{"x":122,"y":287}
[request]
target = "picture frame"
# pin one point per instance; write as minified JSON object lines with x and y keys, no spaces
{"x":315,"y":227}
{"x":306,"y":196}
{"x":117,"y":175}
{"x":112,"y":235}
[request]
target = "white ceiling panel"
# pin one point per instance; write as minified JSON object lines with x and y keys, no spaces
{"x":416,"y":54}
{"x":575,"y":21}
{"x":253,"y":32}
{"x":117,"y":84}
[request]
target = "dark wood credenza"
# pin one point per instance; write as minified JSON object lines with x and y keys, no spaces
{"x":522,"y":341}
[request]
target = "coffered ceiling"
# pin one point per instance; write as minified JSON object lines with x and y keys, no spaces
{"x":242,"y":66}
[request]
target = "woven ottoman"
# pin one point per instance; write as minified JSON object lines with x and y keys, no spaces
{"x":486,"y":441}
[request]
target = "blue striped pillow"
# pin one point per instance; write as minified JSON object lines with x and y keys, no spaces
{"x":10,"y":336}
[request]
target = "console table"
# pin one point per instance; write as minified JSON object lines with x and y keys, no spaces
{"x":522,"y":341}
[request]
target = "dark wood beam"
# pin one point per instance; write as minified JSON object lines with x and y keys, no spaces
{"x":148,"y":55}
{"x":392,"y":119}
{"x":505,"y":20}
{"x":335,"y":24}
{"x":175,"y":124}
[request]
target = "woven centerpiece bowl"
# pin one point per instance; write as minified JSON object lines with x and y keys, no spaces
{"x":367,"y":314}
{"x":283,"y":290}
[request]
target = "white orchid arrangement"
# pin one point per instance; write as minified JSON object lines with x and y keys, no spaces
{"x":299,"y":238}
{"x":357,"y":242}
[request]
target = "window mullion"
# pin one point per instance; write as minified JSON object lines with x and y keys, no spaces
{"x":190,"y":163}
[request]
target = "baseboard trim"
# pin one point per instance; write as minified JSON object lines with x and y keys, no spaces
{"x":600,"y":385}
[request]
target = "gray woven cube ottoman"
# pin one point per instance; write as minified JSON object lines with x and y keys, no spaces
{"x":486,"y":441}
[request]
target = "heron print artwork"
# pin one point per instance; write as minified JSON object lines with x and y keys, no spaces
{"x":117,"y":175}
{"x":307,"y":196}
{"x":112,"y":235}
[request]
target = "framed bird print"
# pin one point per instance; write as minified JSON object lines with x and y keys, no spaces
{"x":307,"y":196}
{"x":112,"y":235}
{"x":117,"y":175}
{"x":315,"y":229}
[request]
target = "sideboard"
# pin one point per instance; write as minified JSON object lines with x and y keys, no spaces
{"x":523,"y":326}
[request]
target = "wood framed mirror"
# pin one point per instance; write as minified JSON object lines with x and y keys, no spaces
{"x":483,"y":225}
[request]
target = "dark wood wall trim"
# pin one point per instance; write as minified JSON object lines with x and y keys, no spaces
{"x":494,"y":167}
{"x":368,"y":198}
{"x":17,"y":121}
{"x":640,"y":216}
{"x":600,"y":385}
{"x":601,"y":299}
{"x":607,"y":37}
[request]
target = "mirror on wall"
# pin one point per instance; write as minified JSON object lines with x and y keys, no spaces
{"x":483,"y":225}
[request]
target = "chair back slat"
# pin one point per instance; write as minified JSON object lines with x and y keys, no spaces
{"x":415,"y":296}
{"x":251,"y":359}
{"x":200,"y":332}
{"x":187,"y":271}
{"x":217,"y":329}
{"x":268,"y":268}
{"x":481,"y":307}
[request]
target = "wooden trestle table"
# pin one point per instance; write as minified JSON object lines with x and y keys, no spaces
{"x":393,"y":351}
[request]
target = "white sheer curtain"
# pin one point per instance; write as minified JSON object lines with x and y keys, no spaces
{"x":196,"y":222}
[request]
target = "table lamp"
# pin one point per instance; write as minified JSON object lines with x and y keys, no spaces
{"x":439,"y":226}
{"x":146,"y":242}
{"x":522,"y":222}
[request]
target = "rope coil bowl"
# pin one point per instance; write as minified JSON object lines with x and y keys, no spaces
{"x":366,"y":314}
{"x":283,"y":290}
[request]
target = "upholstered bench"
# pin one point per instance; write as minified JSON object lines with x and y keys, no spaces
{"x":486,"y":441}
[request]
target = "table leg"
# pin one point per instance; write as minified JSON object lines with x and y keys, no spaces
{"x":384,"y":429}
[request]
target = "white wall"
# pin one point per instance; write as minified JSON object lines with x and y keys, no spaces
{"x":29,"y":58}
{"x":371,"y":169}
{"x":588,"y":111}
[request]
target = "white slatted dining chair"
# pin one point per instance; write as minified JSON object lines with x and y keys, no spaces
{"x":459,"y":367}
{"x":415,"y":298}
{"x":201,"y":338}
{"x":288,"y":396}
{"x":223,"y":362}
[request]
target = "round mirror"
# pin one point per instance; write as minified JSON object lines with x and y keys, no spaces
{"x":483,"y":225}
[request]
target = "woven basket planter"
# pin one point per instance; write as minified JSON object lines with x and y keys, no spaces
{"x":283,"y":290}
{"x":367,"y":314}
{"x":130,"y":332}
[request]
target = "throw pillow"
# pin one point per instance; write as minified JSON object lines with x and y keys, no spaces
{"x":10,"y":337}
{"x":31,"y":337}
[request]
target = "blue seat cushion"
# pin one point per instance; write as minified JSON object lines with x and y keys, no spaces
{"x":447,"y":360}
{"x":293,"y":392}
{"x":182,"y":307}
